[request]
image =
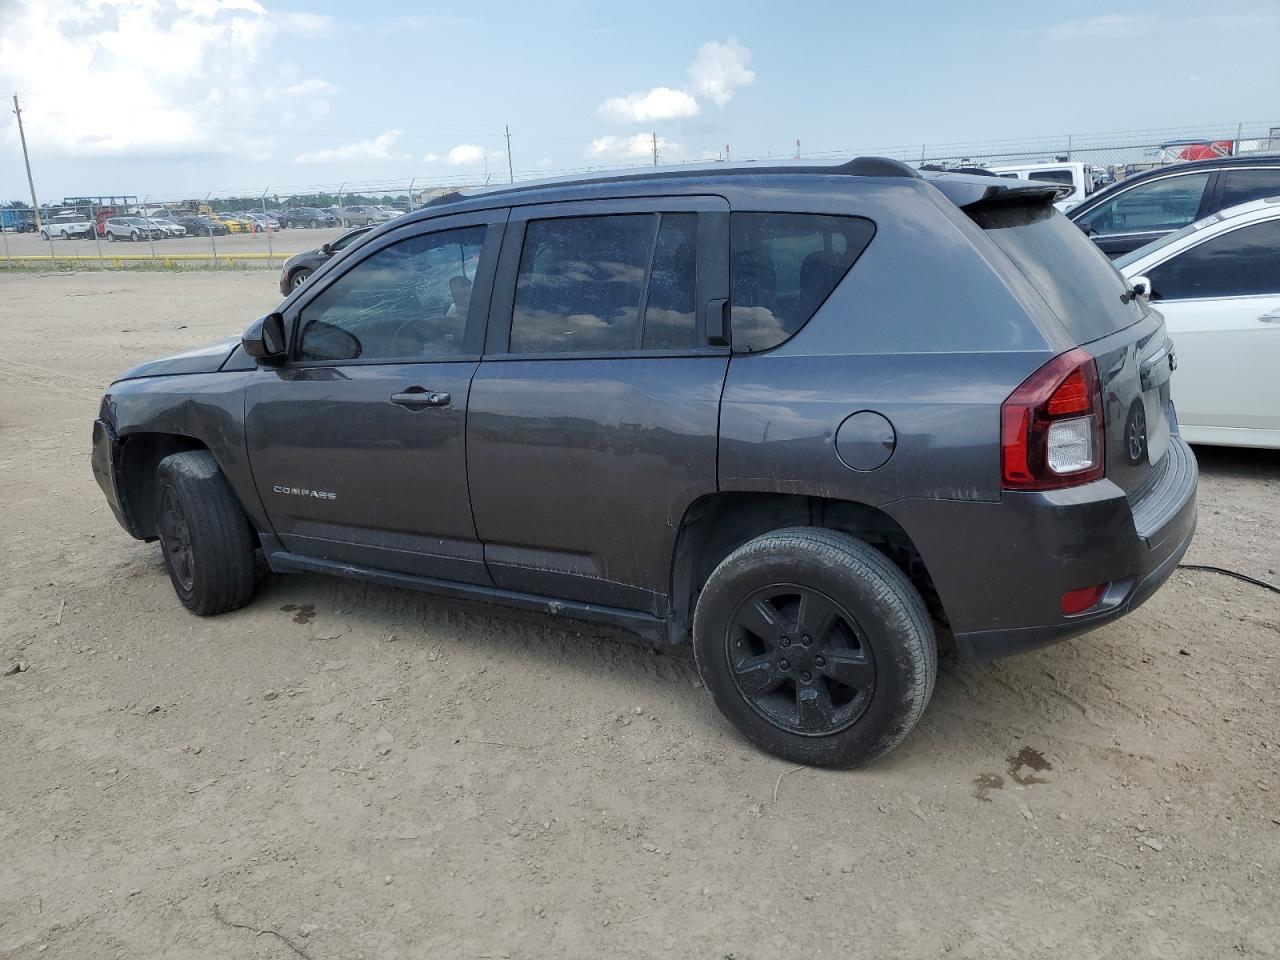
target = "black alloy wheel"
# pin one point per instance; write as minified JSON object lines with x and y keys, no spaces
{"x":800,"y":659}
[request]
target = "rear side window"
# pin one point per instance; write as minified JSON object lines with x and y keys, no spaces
{"x":1052,"y":176}
{"x":782,"y":268}
{"x":1242,"y":263}
{"x":1072,"y":275}
{"x":1241,"y":186}
{"x":607,"y":284}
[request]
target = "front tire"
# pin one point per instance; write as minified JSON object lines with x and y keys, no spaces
{"x":204,"y":535}
{"x":298,"y":278}
{"x":815,"y":646}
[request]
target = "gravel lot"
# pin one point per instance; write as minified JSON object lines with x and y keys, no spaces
{"x":284,"y":243}
{"x":366,"y":772}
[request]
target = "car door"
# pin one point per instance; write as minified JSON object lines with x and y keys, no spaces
{"x":1144,"y":212}
{"x":593,"y":417}
{"x":1221,"y":303}
{"x":357,"y":442}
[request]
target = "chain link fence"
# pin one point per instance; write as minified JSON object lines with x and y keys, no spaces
{"x":262,"y":228}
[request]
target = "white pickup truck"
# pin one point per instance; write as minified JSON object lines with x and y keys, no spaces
{"x":65,"y":226}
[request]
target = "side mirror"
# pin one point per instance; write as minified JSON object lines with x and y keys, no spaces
{"x":1141,"y":286}
{"x":265,"y":340}
{"x":326,"y":248}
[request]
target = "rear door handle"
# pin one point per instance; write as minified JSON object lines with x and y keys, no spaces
{"x":415,"y":398}
{"x":1272,"y":317}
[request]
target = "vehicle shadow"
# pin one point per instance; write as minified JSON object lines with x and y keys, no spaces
{"x":1237,"y":463}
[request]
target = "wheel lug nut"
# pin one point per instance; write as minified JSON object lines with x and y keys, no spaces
{"x":785,"y":664}
{"x":786,"y":641}
{"x":806,"y":677}
{"x":807,"y":640}
{"x":820,"y":661}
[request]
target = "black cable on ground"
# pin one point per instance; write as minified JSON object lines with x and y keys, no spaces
{"x":1231,"y":573}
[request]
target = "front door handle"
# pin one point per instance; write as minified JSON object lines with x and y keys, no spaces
{"x":1272,"y":317}
{"x":415,"y":398}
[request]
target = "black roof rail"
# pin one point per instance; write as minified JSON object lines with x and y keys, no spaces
{"x":857,"y":167}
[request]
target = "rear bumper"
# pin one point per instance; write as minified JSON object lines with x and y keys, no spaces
{"x":1001,"y":568}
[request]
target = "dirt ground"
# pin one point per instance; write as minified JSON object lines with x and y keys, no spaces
{"x":283,"y":243}
{"x":347,"y":771}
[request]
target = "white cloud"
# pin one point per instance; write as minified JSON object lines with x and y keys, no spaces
{"x":716,"y":72}
{"x":313,"y":86}
{"x":377,"y":148}
{"x":465,"y":153}
{"x":431,"y":158}
{"x":660,"y":103}
{"x":631,"y":148}
{"x":1106,"y":26}
{"x":205,"y":72}
{"x":719,"y":69}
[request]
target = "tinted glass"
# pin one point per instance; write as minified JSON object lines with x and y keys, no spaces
{"x":1241,"y":186}
{"x":670,"y":309}
{"x":1072,"y":275}
{"x":407,"y":302}
{"x":579,"y":284}
{"x":782,"y":266}
{"x":346,"y":240}
{"x":1167,"y":204}
{"x":1241,"y":263}
{"x":1051,"y":176}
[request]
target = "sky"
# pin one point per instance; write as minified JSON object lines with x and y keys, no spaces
{"x":181,"y":98}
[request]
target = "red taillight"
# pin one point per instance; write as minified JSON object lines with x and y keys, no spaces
{"x":1078,"y":601}
{"x":1051,"y":428}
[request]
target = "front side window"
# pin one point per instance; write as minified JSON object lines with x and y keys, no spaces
{"x":782,"y":267}
{"x":407,"y":302}
{"x":606,"y":284}
{"x":1168,"y":204}
{"x":1242,"y":263}
{"x":1241,"y":186}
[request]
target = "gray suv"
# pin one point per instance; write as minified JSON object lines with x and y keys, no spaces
{"x":809,"y":418}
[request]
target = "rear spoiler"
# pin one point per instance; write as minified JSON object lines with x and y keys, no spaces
{"x":969,"y":192}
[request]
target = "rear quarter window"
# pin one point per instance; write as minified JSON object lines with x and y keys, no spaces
{"x":782,"y":268}
{"x":1066,"y":268}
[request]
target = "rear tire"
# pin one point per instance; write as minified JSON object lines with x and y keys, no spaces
{"x":815,"y":646}
{"x":204,"y":535}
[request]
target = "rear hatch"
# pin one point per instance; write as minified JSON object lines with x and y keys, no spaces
{"x":1094,"y":305}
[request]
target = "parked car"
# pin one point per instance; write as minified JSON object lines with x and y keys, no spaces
{"x":235,"y":224}
{"x":1149,"y":205}
{"x":742,"y":405}
{"x":308,"y":217}
{"x":132,"y":228}
{"x":1079,"y":177}
{"x":299,"y":268}
{"x":389,"y":212}
{"x":265,"y":221}
{"x":1217,"y":283}
{"x":361,"y":216}
{"x":66,"y":226}
{"x":167,"y":227}
{"x":200,"y":226}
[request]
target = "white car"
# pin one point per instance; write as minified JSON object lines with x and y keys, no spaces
{"x":170,"y":228}
{"x":1078,"y":176}
{"x":65,"y":226}
{"x":1217,"y":282}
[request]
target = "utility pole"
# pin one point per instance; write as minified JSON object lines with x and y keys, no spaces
{"x":655,"y":148}
{"x":35,"y":207}
{"x":797,"y":148}
{"x":511,"y":172}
